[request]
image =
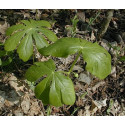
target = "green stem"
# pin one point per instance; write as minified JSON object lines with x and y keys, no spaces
{"x":94,"y":18}
{"x":84,"y":94}
{"x":76,"y":109}
{"x":74,"y":62}
{"x":91,"y":22}
{"x":49,"y":110}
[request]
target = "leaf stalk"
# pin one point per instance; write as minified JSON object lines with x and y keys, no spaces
{"x":74,"y":62}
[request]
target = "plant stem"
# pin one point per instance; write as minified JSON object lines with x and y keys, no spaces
{"x":90,"y":23}
{"x":74,"y":62}
{"x":49,"y":110}
{"x":93,"y":19}
{"x":84,"y":94}
{"x":110,"y":106}
{"x":76,"y":109}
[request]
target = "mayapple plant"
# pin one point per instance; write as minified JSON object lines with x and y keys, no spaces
{"x":25,"y":34}
{"x":56,"y":88}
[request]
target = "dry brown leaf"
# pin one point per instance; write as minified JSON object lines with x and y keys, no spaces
{"x":113,"y":72}
{"x":3,"y":27}
{"x":97,"y":85}
{"x":25,"y":104}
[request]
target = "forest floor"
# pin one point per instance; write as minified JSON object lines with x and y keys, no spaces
{"x":94,"y":97}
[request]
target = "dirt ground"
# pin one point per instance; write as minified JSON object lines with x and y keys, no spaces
{"x":94,"y":97}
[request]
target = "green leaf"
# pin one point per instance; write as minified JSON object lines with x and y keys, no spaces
{"x":27,"y":23}
{"x":63,"y":47}
{"x":25,"y":48}
{"x":42,"y":90}
{"x":14,"y":28}
{"x":41,"y":41}
{"x":97,"y":58}
{"x":56,"y":89}
{"x":49,"y":34}
{"x":12,"y":42}
{"x":42,"y":23}
{"x":18,"y":32}
{"x":39,"y":71}
{"x":62,"y":85}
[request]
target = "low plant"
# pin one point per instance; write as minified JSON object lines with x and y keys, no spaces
{"x":27,"y":33}
{"x":91,"y":20}
{"x":73,"y":28}
{"x":55,"y":87}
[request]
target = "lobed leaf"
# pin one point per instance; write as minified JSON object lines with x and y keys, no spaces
{"x":20,"y":31}
{"x":97,"y":58}
{"x":56,"y":89}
